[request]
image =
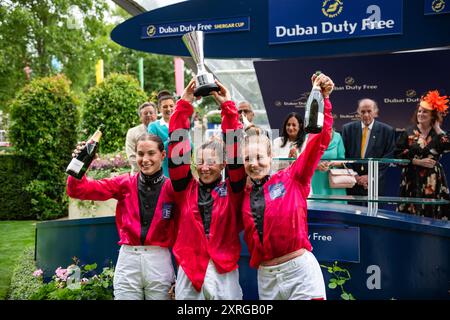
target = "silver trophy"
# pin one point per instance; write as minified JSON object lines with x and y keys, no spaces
{"x":204,"y":81}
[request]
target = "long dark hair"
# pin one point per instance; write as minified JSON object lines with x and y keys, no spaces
{"x":301,"y":133}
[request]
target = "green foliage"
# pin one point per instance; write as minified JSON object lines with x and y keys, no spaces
{"x":15,"y":175}
{"x":339,"y":277}
{"x":15,"y":237}
{"x":35,"y":32}
{"x":23,"y":283}
{"x":214,"y":118}
{"x":96,"y":287}
{"x":43,"y":122}
{"x":114,"y":103}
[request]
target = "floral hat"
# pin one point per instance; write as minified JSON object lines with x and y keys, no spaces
{"x":433,"y":101}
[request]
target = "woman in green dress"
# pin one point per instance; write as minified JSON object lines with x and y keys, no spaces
{"x":319,"y":183}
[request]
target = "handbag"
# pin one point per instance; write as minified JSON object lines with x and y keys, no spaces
{"x":341,"y":178}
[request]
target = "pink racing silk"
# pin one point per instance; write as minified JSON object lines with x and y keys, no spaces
{"x":193,"y":249}
{"x":285,"y":227}
{"x":124,"y":188}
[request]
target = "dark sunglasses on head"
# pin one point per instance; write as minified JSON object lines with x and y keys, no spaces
{"x":244,"y":111}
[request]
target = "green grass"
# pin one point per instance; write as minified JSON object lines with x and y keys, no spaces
{"x":15,"y":237}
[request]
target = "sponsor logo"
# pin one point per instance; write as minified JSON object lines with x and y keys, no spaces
{"x":438,"y":5}
{"x":276,"y":190}
{"x":349,"y":80}
{"x":151,"y":30}
{"x":332,"y":8}
{"x":411,"y":93}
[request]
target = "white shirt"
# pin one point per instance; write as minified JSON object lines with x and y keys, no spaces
{"x":279,"y":151}
{"x":130,"y":145}
{"x":163,"y":123}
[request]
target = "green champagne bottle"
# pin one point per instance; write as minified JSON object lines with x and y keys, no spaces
{"x":314,"y":110}
{"x":79,"y":164}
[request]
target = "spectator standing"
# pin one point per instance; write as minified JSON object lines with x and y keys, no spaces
{"x":367,"y":138}
{"x":289,"y":145}
{"x":320,"y":183}
{"x":166,"y":104}
{"x":147,"y":114}
{"x":423,"y":144}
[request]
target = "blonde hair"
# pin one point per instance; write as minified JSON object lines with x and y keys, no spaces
{"x":215,"y":144}
{"x":258,"y":134}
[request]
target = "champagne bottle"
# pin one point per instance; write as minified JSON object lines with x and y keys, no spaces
{"x":78,"y":166}
{"x":314,"y":110}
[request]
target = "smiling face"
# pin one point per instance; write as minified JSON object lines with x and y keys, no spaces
{"x":166,"y":108}
{"x":257,"y":157}
{"x":424,"y":116}
{"x":148,"y":115}
{"x":209,"y":165}
{"x":292,"y":128}
{"x":148,"y":156}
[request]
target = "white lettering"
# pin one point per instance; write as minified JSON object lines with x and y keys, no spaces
{"x":394,"y":100}
{"x":187,"y":28}
{"x":318,"y":237}
{"x":327,"y":27}
{"x":381,"y":24}
{"x":168,"y":29}
{"x":298,"y":30}
{"x":204,"y":27}
{"x":346,"y":26}
{"x":281,"y":31}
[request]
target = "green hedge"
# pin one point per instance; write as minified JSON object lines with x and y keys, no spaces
{"x":15,"y":176}
{"x":114,"y":102}
{"x":23,"y":283}
{"x":43,"y":123}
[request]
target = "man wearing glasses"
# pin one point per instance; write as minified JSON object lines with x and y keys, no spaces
{"x":147,"y":114}
{"x":245,"y":108}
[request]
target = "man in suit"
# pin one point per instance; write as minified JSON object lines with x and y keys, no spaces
{"x":367,"y":138}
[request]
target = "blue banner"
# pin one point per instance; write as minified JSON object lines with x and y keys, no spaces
{"x":437,"y":6}
{"x":313,"y":20}
{"x":150,"y":31}
{"x":394,"y":81}
{"x":333,"y":242}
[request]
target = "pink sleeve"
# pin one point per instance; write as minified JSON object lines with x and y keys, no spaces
{"x":99,"y":190}
{"x":303,"y":168}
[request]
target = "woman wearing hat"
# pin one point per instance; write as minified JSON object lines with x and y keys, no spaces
{"x":423,"y":144}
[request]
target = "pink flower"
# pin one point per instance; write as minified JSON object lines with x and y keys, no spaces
{"x":38,"y":273}
{"x":61,"y":274}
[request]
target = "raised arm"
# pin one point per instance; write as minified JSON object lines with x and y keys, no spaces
{"x":232,"y":134}
{"x":303,"y":168}
{"x":179,"y":146}
{"x":99,"y":190}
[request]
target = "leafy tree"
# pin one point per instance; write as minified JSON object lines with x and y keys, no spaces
{"x":44,"y":119}
{"x":44,"y":32}
{"x":114,"y":103}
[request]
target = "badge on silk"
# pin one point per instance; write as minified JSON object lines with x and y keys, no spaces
{"x":167,"y":210}
{"x":276,"y":190}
